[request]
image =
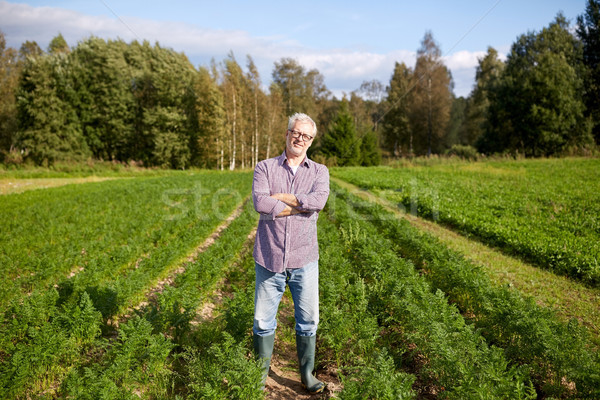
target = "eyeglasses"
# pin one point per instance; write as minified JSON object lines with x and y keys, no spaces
{"x":297,"y":134}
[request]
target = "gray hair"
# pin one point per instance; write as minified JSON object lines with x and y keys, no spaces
{"x":302,"y":118}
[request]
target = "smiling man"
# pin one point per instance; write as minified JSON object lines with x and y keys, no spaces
{"x":288,"y":192}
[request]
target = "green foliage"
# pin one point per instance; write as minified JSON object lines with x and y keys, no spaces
{"x":136,"y":362}
{"x":558,"y":356}
{"x":239,"y":313}
{"x":340,"y":142}
{"x":369,"y":150}
{"x":105,"y":102}
{"x":396,"y":127}
{"x":464,"y":152}
{"x":108,"y":100}
{"x":419,"y":323}
{"x":431,"y":99}
{"x":380,"y":381}
{"x":536,"y":209}
{"x":146,"y":227}
{"x":487,"y":74}
{"x":211,"y":119}
{"x":456,"y":130}
{"x":49,"y":125}
{"x":223,"y":370}
{"x":142,"y":361}
{"x":108,"y":227}
{"x":349,"y":331}
{"x":418,"y":104}
{"x":588,"y":31}
{"x":81,"y":320}
{"x":40,"y":339}
{"x":300,"y":89}
{"x":171,"y":148}
{"x":58,"y":45}
{"x":9,"y":79}
{"x":536,"y":107}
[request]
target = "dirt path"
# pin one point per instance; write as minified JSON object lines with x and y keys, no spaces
{"x":180,"y":267}
{"x":206,"y":312}
{"x":569,"y":298}
{"x":9,"y":186}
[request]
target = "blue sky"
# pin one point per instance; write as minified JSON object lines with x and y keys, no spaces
{"x":347,"y":41}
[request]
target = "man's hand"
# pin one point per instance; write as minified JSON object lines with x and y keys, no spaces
{"x":287,"y":198}
{"x":287,"y":211}
{"x":291,"y":204}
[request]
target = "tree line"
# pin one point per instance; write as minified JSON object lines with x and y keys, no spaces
{"x":137,"y":102}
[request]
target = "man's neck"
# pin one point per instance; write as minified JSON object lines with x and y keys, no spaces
{"x":294,"y":161}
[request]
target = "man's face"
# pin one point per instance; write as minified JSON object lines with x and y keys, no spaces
{"x":297,"y":146}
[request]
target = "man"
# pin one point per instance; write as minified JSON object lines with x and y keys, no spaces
{"x":288,"y":192}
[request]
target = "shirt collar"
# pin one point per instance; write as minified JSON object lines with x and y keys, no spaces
{"x":283,"y":158}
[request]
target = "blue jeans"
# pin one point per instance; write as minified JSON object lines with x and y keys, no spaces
{"x":304,"y":286}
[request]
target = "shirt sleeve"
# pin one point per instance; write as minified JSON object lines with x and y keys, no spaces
{"x":261,"y":194}
{"x":316,"y":199}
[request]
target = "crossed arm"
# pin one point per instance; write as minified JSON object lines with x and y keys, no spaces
{"x":285,"y":204}
{"x":291,"y":204}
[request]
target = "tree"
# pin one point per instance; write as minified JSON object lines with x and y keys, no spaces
{"x":362,"y":113}
{"x":373,"y":92}
{"x":397,"y":132}
{"x":58,"y":45}
{"x":170,"y":147}
{"x":258,"y":100}
{"x":10,"y":69}
{"x":29,"y":49}
{"x":162,"y":85}
{"x":49,"y":126}
{"x":588,"y":30}
{"x":276,"y":122}
{"x":211,"y":119}
{"x":235,"y":90}
{"x":537,"y":107}
{"x":456,"y":123}
{"x":369,"y":150}
{"x":302,"y":91}
{"x":105,"y":102}
{"x":431,"y":99}
{"x":340,"y":142}
{"x":488,"y":71}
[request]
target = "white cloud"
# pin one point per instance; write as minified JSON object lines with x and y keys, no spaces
{"x":463,"y":65}
{"x":463,"y":59}
{"x":344,"y":70}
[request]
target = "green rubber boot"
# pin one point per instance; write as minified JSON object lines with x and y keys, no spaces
{"x":263,"y":346}
{"x":305,"y":345}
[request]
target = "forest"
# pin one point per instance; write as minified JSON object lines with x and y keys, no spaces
{"x":143,"y":104}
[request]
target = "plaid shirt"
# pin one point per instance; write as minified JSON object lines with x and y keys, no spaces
{"x":288,"y":242}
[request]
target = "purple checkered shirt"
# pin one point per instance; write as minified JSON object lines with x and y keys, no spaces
{"x":288,"y":242}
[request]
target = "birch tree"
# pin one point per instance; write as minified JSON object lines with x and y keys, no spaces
{"x":432,"y":97}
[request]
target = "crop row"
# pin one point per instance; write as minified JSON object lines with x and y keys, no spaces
{"x":539,"y":210}
{"x":104,"y":228}
{"x":558,"y":357}
{"x":380,"y":304}
{"x":45,"y":333}
{"x":166,"y":351}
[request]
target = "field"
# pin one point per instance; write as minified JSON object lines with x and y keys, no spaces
{"x":141,"y":285}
